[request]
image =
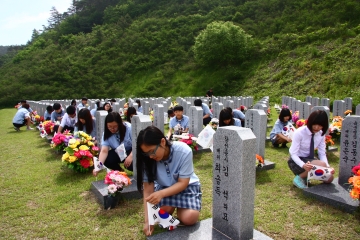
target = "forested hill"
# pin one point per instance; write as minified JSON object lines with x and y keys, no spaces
{"x":116,"y":48}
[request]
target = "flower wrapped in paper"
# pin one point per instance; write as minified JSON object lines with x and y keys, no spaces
{"x":48,"y":126}
{"x":214,"y":123}
{"x":117,"y":181}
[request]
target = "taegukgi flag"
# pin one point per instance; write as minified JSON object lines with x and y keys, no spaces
{"x":319,"y":173}
{"x":157,"y":215}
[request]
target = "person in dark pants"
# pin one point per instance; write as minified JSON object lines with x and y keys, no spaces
{"x":207,"y":115}
{"x":116,"y":132}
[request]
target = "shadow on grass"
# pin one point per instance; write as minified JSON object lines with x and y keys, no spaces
{"x":67,"y":176}
{"x":262,"y":177}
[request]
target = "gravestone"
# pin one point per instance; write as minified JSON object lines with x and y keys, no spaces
{"x":261,"y":106}
{"x":357,"y":112}
{"x":315,"y":101}
{"x":348,"y":103}
{"x":159,"y":116}
{"x":308,"y":99}
{"x":350,"y":147}
{"x":305,"y":109}
{"x":230,"y":103}
{"x":217,"y":109}
{"x":336,"y":193}
{"x":256,"y":120}
{"x":146,"y":107}
{"x":325,"y":102}
{"x":100,"y":125}
{"x":195,"y":120}
{"x":135,"y":105}
{"x":297,"y":105}
{"x":338,"y":108}
{"x":116,"y":107}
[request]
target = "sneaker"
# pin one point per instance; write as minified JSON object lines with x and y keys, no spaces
{"x":29,"y":128}
{"x":299,"y":182}
{"x":17,"y":129}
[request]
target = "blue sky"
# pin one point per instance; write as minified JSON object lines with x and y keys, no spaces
{"x":18,"y":18}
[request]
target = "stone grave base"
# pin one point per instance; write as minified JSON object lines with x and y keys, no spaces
{"x":333,"y":194}
{"x":266,"y":166}
{"x":201,"y":230}
{"x":49,"y":138}
{"x":332,"y":149}
{"x":202,"y":150}
{"x":99,"y":188}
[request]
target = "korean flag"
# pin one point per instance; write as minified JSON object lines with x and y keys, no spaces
{"x":319,"y":173}
{"x":157,"y":215}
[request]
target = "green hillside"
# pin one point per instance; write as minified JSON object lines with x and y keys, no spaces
{"x":143,"y":48}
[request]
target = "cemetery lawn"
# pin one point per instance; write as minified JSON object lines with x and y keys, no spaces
{"x":40,"y":199}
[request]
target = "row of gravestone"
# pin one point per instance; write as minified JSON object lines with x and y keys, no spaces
{"x":339,"y":106}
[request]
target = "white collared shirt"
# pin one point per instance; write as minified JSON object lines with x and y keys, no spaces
{"x":300,"y":146}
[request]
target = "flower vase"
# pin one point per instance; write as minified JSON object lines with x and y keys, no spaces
{"x":111,"y":201}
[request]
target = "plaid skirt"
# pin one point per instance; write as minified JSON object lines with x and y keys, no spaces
{"x":190,"y":198}
{"x":296,"y":169}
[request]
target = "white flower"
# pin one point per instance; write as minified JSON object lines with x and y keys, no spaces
{"x":112,"y":188}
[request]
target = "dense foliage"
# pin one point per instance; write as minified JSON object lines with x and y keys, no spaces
{"x":115,"y":48}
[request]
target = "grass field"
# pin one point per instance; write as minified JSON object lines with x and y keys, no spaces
{"x":40,"y":199}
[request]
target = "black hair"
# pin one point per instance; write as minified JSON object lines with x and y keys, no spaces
{"x":56,"y":106}
{"x":113,"y":100}
{"x":114,"y":117}
{"x":110,"y":110}
{"x":23,"y":101}
{"x":27,"y":106}
{"x":84,"y":99}
{"x":73,"y":102}
{"x":225,"y":114}
{"x":97,"y":103}
{"x":70,"y":110}
{"x":138,"y":102}
{"x":170,"y":111}
{"x":198,"y":102}
{"x":178,"y":108}
{"x":85,"y":114}
{"x":49,"y":109}
{"x":318,"y":117}
{"x":285,"y":112}
{"x":130,"y":110}
{"x":150,"y":136}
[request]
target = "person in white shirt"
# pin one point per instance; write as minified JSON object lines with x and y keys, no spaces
{"x":69,"y":120}
{"x":302,"y":148}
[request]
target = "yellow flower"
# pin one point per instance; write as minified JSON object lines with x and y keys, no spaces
{"x":72,"y":141}
{"x":72,"y":159}
{"x":84,"y":147}
{"x":65,"y":156}
{"x":90,"y":144}
{"x":91,"y":162}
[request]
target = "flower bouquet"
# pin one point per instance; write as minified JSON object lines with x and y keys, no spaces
{"x":295,"y":116}
{"x":347,"y":112}
{"x":116,"y":181}
{"x":78,"y":155}
{"x":259,"y":161}
{"x":151,"y":113}
{"x":300,"y":123}
{"x":328,"y":141}
{"x":60,"y":141}
{"x":335,"y":127}
{"x":191,"y":143}
{"x":48,"y":126}
{"x":38,"y":119}
{"x":214,"y":123}
{"x":354,"y":182}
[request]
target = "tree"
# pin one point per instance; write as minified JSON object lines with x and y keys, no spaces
{"x":222,"y":43}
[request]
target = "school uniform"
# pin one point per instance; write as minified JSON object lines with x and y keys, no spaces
{"x":184,"y":122}
{"x":68,"y":123}
{"x":93,"y":133}
{"x":206,"y":110}
{"x":112,"y":161}
{"x":19,"y":118}
{"x":178,"y":165}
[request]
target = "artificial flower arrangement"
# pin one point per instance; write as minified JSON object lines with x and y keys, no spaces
{"x":354,"y":182}
{"x":117,"y":181}
{"x":38,"y":119}
{"x":79,"y":152}
{"x":300,"y":123}
{"x":151,"y":113}
{"x":284,"y":106}
{"x":335,"y":127}
{"x":295,"y":116}
{"x":214,"y":123}
{"x":173,"y":104}
{"x":189,"y":141}
{"x":60,"y":141}
{"x":259,"y":161}
{"x":48,"y":126}
{"x":347,"y":112}
{"x":328,"y":141}
{"x":178,"y":129}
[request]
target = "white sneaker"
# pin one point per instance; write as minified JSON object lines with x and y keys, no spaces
{"x":29,"y":128}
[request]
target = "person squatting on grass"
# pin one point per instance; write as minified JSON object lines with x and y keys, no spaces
{"x":276,"y":136}
{"x":115,"y":133}
{"x":22,"y":118}
{"x":165,"y":176}
{"x":305,"y":140}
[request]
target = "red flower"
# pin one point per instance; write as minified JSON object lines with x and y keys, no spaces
{"x":85,"y":163}
{"x":356,"y":170}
